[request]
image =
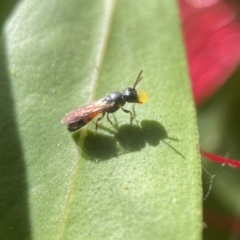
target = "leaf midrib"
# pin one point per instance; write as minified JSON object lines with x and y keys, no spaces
{"x":105,"y":26}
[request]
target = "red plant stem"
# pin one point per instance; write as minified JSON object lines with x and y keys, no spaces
{"x":220,"y":159}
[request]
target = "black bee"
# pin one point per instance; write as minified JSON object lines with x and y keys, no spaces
{"x":109,"y":104}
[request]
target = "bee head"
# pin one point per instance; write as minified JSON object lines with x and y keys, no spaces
{"x":132,"y":96}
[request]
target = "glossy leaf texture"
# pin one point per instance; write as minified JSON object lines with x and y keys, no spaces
{"x":141,"y":182}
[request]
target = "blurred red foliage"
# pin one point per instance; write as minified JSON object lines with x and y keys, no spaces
{"x":212,"y":37}
{"x":211,"y":30}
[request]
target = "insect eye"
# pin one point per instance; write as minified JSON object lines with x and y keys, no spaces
{"x":142,"y":96}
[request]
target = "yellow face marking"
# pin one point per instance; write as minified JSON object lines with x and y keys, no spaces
{"x":142,"y":96}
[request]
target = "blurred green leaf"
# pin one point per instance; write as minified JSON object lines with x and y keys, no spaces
{"x":144,"y":182}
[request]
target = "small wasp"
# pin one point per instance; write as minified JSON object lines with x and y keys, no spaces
{"x":109,"y":104}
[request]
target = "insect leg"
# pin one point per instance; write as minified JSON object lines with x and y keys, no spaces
{"x":111,"y":122}
{"x":128,"y":111}
{"x":97,"y":122}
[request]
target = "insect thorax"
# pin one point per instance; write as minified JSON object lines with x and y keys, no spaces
{"x":115,"y":100}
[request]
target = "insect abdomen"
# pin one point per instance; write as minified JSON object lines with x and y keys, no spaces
{"x":76,"y":125}
{"x":73,"y":126}
{"x":79,"y":123}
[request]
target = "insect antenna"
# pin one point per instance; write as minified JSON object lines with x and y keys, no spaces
{"x":139,"y":78}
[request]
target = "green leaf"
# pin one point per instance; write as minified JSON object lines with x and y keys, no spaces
{"x":143,"y":182}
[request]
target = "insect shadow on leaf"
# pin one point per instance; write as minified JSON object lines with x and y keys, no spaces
{"x":129,"y":138}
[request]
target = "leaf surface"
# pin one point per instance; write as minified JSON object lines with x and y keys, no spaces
{"x":143,"y":182}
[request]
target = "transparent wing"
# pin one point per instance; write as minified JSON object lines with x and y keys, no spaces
{"x":88,"y":111}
